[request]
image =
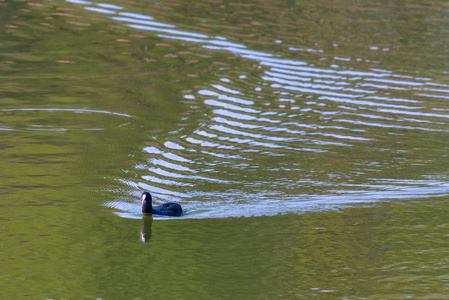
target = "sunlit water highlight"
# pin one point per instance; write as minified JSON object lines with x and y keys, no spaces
{"x":268,"y":116}
{"x":282,"y":110}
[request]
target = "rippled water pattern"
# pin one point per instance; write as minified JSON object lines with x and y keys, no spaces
{"x":277,"y":134}
{"x":325,"y":120}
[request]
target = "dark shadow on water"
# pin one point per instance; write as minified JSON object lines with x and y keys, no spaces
{"x":145,"y":231}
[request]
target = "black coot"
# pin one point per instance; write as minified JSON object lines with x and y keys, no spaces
{"x":166,"y":209}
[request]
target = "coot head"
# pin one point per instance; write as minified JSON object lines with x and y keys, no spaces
{"x":146,"y":200}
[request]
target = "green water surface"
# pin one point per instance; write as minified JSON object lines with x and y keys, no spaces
{"x":301,"y":196}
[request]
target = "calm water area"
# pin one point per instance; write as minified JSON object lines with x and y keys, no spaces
{"x":307,"y":142}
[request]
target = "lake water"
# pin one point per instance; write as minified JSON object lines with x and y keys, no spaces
{"x":306,"y":141}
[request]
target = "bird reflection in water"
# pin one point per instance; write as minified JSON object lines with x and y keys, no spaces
{"x":145,"y":231}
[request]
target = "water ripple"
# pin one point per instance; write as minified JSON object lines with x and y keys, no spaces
{"x":290,"y":112}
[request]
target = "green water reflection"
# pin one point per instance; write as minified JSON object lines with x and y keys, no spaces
{"x":386,"y":251}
